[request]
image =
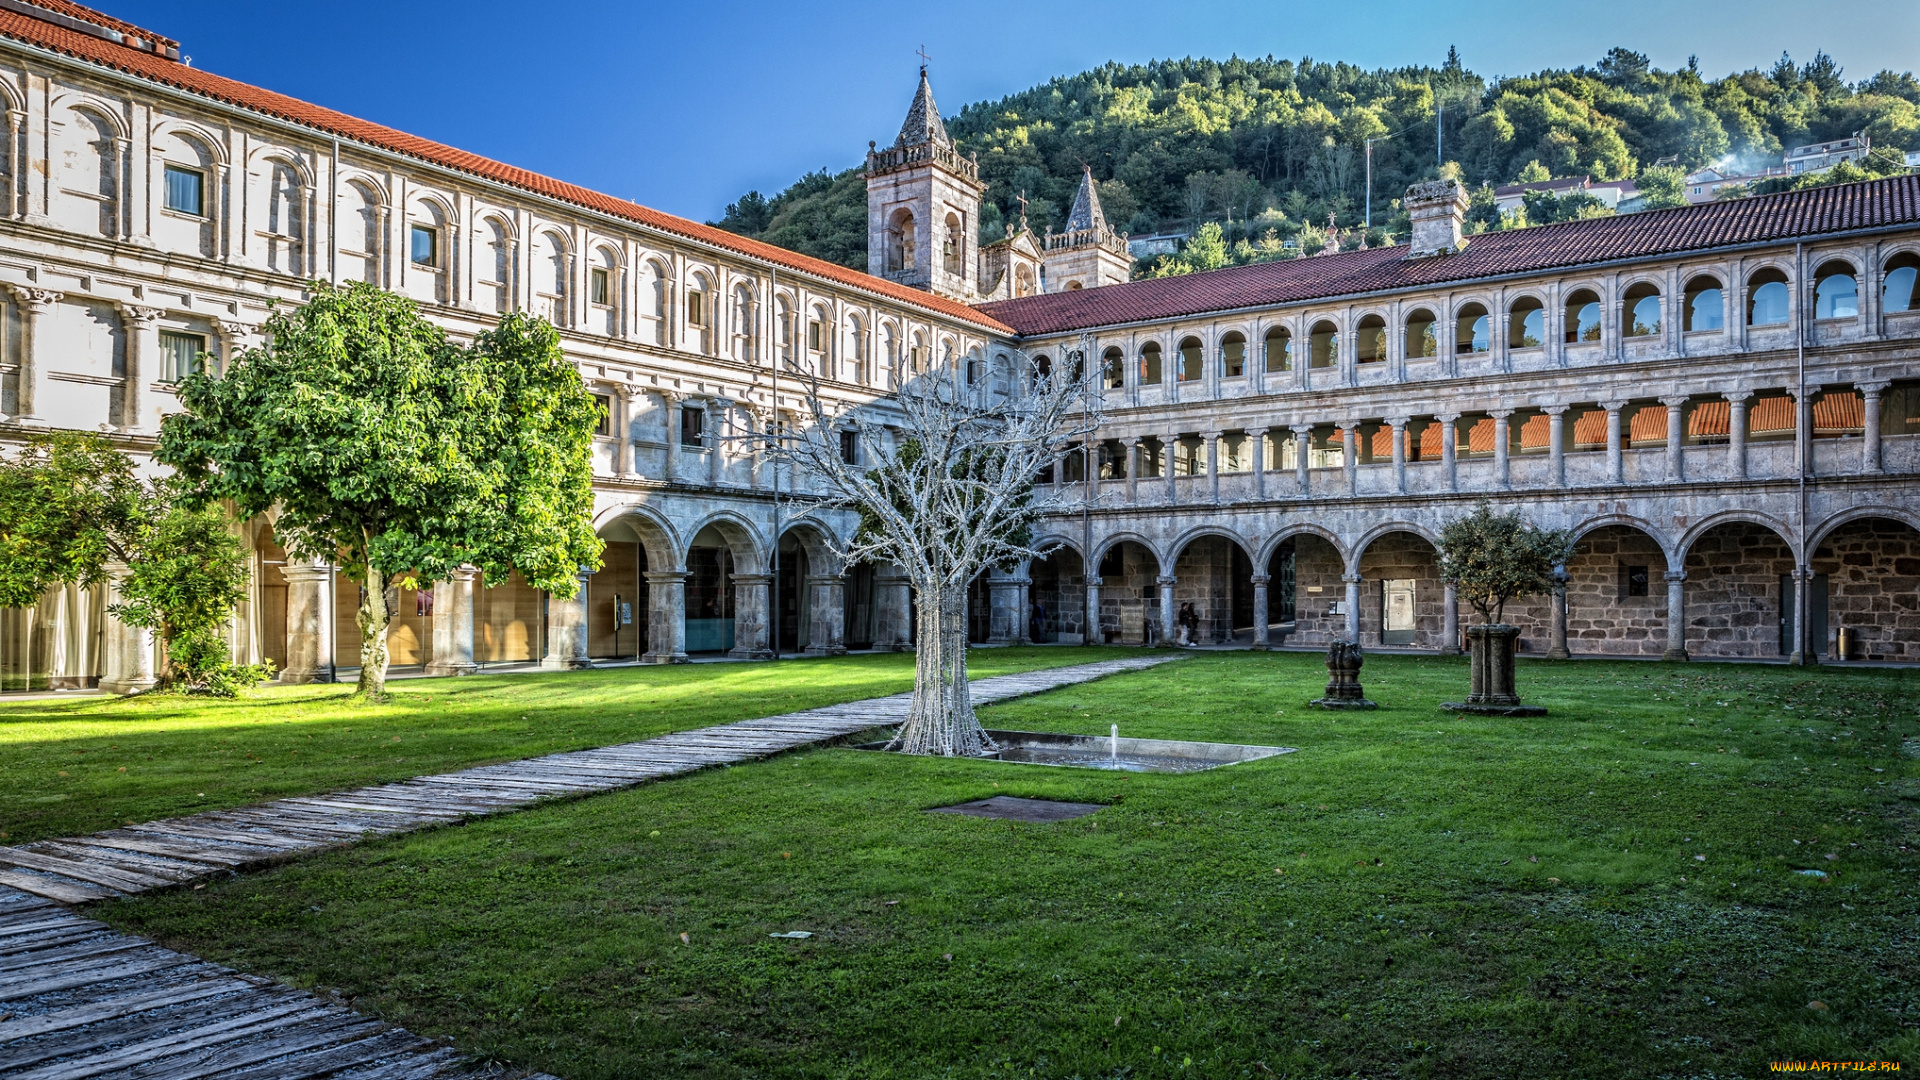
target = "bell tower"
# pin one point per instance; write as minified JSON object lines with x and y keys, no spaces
{"x":923,"y":206}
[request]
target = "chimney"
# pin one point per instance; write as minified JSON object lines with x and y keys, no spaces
{"x":1438,"y":208}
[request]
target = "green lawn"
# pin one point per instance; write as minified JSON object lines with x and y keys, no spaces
{"x":1608,"y":891}
{"x":85,"y":764}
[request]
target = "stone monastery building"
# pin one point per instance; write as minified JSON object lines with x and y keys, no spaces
{"x":1722,"y":401}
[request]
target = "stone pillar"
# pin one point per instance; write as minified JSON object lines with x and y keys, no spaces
{"x":453,"y":624}
{"x":127,"y":667}
{"x":1260,"y":642}
{"x":670,"y":467}
{"x":1450,"y":620}
{"x":1399,"y":426}
{"x":143,"y":351}
{"x":1257,"y":456}
{"x":1213,"y":465}
{"x":1006,"y":619}
{"x":893,"y":612}
{"x":1870,"y":437}
{"x":1352,"y":606}
{"x":1093,"y":636}
{"x":1058,"y":470}
{"x":1676,"y":438}
{"x":1502,"y":468}
{"x":1169,"y":636}
{"x":711,"y":437}
{"x":666,"y":617}
{"x":1556,"y":445}
{"x":1802,"y":582}
{"x":827,"y":634}
{"x":1136,"y":456}
{"x":750,"y":623}
{"x":1023,"y":607}
{"x":1737,"y":433}
{"x":1350,"y":454}
{"x":1676,"y":616}
{"x":1615,"y":464}
{"x":1450,"y":475}
{"x":1303,"y":446}
{"x":567,"y":630}
{"x":1803,"y":427}
{"x":1170,"y":450}
{"x":306,"y":621}
{"x":1557,"y":644}
{"x":35,"y":306}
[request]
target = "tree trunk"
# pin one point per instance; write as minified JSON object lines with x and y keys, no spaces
{"x":373,"y":619}
{"x":941,"y":722}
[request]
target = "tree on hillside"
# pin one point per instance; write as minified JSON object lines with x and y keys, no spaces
{"x":395,"y":452}
{"x":1663,"y":186}
{"x":947,"y":498}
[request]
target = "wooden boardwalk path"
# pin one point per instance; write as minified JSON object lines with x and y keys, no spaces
{"x":79,"y":999}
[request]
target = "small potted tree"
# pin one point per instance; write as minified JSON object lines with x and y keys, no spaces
{"x":1491,"y":558}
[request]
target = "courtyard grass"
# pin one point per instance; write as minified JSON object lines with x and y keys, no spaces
{"x":84,"y":764}
{"x":1612,"y":890}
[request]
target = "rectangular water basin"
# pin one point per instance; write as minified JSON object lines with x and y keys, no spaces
{"x":1126,"y":755}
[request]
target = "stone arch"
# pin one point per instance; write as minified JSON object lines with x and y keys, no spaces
{"x":99,"y":107}
{"x":743,"y":539}
{"x":1359,"y":549}
{"x":1734,"y":600}
{"x":1591,"y":525}
{"x":436,"y":203}
{"x":1107,"y":544}
{"x":818,"y":541}
{"x":657,"y":535}
{"x":1402,"y":597}
{"x":1200,"y":531}
{"x":1212,"y":568}
{"x":1866,"y":567}
{"x":1616,"y":592}
{"x":187,"y":131}
{"x":1057,"y":593}
{"x":1303,"y":528}
{"x":1129,"y":568}
{"x":1836,"y":521}
{"x":1700,"y":528}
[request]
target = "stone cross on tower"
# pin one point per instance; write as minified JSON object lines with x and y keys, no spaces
{"x":1022,"y":200}
{"x":922,"y":54}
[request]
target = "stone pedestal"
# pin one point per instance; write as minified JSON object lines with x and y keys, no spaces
{"x":453,"y":625}
{"x":1676,"y":616}
{"x":1169,"y":634}
{"x":1450,"y":620}
{"x":128,"y":664}
{"x":1260,"y":641}
{"x":1492,"y":693}
{"x":893,"y":613}
{"x":666,"y":617}
{"x":1557,"y":643}
{"x":306,"y":622}
{"x":827,"y":635}
{"x":1343,"y":679}
{"x":750,"y":640}
{"x":567,"y":630}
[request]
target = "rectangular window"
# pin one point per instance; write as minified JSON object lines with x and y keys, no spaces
{"x":604,"y":403}
{"x":1633,"y":581}
{"x":186,"y":190}
{"x":816,"y":335}
{"x":693,"y":426}
{"x":180,"y":354}
{"x":696,"y":309}
{"x":600,"y":287}
{"x":850,"y":447}
{"x":426,"y":246}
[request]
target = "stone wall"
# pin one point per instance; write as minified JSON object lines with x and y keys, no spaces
{"x":1129,"y":595}
{"x":1873,"y":588}
{"x":1733,"y":591}
{"x":1601,"y":616}
{"x":1398,"y":556}
{"x":1204,"y":573}
{"x":1316,"y":565}
{"x":1060,"y":586}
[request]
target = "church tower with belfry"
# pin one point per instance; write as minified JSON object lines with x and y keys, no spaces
{"x":923,"y":206}
{"x":1088,"y":253}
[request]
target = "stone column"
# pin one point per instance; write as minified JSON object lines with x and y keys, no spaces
{"x":1059,"y":473}
{"x":1399,"y":426}
{"x":567,"y":630}
{"x":1676,"y":616}
{"x":453,"y":624}
{"x":127,"y":667}
{"x":1615,"y":464}
{"x":1502,"y":468}
{"x":1352,"y":606}
{"x":1870,"y":437}
{"x":1450,"y":475}
{"x":623,"y":431}
{"x":666,"y":617}
{"x":827,"y":634}
{"x":1023,"y":608}
{"x":1093,"y":636}
{"x":143,"y":351}
{"x":750,"y":624}
{"x":893,"y":612}
{"x":1257,"y":455}
{"x":670,"y":467}
{"x":1803,"y":427}
{"x":711,"y":437}
{"x":1350,"y":454}
{"x":1303,"y":446}
{"x":1556,"y":445}
{"x":1260,"y":642}
{"x":1737,"y":433}
{"x":1801,"y":655}
{"x":1213,"y":465}
{"x":1003,"y":608}
{"x":306,"y":621}
{"x":1169,"y":636}
{"x":1170,"y":451}
{"x":1450,"y":621}
{"x":1676,"y":438}
{"x":1136,"y":457}
{"x":1557,"y":645}
{"x":35,"y":306}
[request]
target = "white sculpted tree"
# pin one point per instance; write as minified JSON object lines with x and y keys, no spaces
{"x":943,"y":480}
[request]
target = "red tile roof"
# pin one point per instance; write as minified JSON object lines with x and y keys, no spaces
{"x":94,"y":50}
{"x":1787,"y":216}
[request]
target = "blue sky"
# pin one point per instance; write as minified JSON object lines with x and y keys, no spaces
{"x":685,"y":105}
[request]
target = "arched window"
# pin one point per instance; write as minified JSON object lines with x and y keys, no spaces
{"x":900,"y":242}
{"x":819,"y":339}
{"x":1769,"y":303}
{"x":1836,"y":294}
{"x":1472,"y":330}
{"x":186,"y":223}
{"x":857,"y":349}
{"x":953,"y":247}
{"x":550,"y":277}
{"x":89,"y":165}
{"x":1641,"y":314}
{"x":1896,"y":291}
{"x":976,"y":368}
{"x":1370,"y":345}
{"x":746,"y":322}
{"x":494,"y":267}
{"x":1042,"y":371}
{"x":1191,"y":369}
{"x":1279,"y":349}
{"x":1705,"y":305}
{"x":1526,"y":324}
{"x":700,"y":316}
{"x":1583,"y":316}
{"x":285,"y":217}
{"x":1074,"y":285}
{"x":916,"y":354}
{"x":890,"y":355}
{"x":783,"y":330}
{"x":655,"y":289}
{"x":427,"y":252}
{"x":1323,"y":345}
{"x":1113,"y":364}
{"x":1150,"y":366}
{"x":603,"y":291}
{"x":360,"y":233}
{"x":1233,"y":355}
{"x":1423,"y":339}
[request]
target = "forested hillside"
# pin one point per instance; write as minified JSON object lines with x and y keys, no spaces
{"x":1271,"y":149}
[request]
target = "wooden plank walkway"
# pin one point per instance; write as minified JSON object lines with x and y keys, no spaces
{"x":79,"y":999}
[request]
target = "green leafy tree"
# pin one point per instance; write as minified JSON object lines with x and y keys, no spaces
{"x":400,"y":455}
{"x":1664,"y":186}
{"x":184,"y":583}
{"x":1492,"y":558}
{"x":69,"y":504}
